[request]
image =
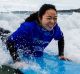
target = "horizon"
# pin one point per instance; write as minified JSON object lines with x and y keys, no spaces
{"x":9,"y":5}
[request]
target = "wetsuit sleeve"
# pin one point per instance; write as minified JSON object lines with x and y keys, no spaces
{"x":17,"y":38}
{"x":58,"y":35}
{"x":61,"y":46}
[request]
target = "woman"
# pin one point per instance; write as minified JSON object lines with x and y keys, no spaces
{"x":36,"y":33}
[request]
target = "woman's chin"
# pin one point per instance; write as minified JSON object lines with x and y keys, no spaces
{"x":49,"y":29}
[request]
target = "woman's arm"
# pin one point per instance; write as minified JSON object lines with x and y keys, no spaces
{"x":61,"y":46}
{"x":61,"y":49}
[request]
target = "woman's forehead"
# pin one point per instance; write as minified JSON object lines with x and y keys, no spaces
{"x":50,"y":12}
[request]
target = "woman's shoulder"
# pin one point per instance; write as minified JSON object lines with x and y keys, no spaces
{"x":28,"y":25}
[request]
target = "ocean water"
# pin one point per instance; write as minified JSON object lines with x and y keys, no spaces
{"x":49,"y":63}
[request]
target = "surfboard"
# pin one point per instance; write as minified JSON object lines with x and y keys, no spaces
{"x":48,"y":64}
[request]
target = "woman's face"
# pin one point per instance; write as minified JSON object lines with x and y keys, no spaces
{"x":49,"y":19}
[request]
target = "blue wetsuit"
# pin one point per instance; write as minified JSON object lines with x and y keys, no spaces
{"x":32,"y":36}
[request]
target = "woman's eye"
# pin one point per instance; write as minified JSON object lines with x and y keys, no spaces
{"x":49,"y":18}
{"x":55,"y":18}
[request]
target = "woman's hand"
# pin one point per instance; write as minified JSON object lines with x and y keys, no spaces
{"x":64,"y":58}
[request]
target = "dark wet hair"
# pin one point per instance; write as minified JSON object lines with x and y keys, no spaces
{"x":40,"y":13}
{"x":32,"y":17}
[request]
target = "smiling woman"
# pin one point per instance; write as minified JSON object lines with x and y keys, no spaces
{"x":49,"y":19}
{"x":36,"y":33}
